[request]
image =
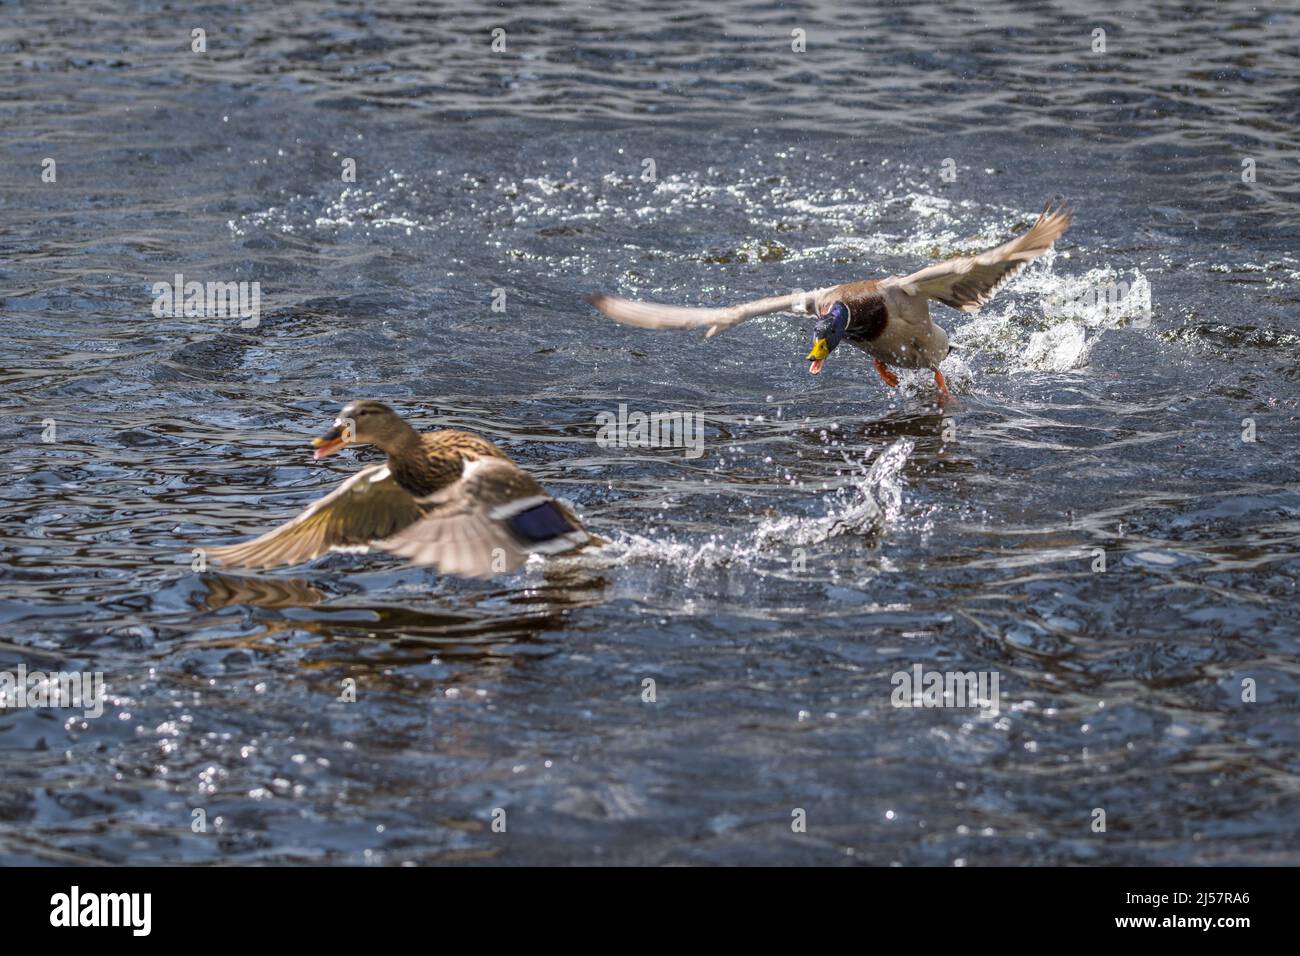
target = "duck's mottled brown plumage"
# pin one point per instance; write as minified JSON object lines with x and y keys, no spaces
{"x":437,"y":459}
{"x":450,"y":499}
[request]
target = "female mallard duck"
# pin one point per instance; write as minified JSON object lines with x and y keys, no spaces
{"x":889,"y":318}
{"x":446,"y":498}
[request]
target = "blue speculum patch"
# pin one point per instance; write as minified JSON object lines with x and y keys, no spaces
{"x":541,"y":522}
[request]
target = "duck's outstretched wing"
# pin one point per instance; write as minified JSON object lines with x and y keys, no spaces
{"x":488,"y":522}
{"x":650,"y":315}
{"x":969,"y":282}
{"x":367,"y":507}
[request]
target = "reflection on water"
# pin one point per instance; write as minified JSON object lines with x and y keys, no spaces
{"x":274,"y":594}
{"x":1091,"y":521}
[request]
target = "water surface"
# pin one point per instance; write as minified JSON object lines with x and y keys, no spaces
{"x":833,"y":533}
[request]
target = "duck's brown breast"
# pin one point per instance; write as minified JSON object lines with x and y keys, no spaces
{"x":868,"y":313}
{"x":439,"y":460}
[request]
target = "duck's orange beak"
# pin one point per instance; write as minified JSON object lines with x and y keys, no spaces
{"x":329,"y":443}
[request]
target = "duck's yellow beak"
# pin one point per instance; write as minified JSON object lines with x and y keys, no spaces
{"x":329,"y":443}
{"x":818,"y":355}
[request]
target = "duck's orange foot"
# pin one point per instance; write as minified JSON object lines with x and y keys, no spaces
{"x":883,"y":370}
{"x":945,"y":396}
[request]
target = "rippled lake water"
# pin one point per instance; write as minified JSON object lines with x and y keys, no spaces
{"x":832,"y":534}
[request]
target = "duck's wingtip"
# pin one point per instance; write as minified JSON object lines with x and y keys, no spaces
{"x":1057,"y":207}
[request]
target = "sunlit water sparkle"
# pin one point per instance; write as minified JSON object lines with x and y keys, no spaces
{"x":833,"y":533}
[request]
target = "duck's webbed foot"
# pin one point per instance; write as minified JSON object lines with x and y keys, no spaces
{"x":945,"y":396}
{"x":884,"y":372}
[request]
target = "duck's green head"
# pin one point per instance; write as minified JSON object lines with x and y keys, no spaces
{"x":827,"y":334}
{"x":360,"y":423}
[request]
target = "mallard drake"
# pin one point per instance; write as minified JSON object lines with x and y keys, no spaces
{"x":889,"y":318}
{"x":447,"y":498}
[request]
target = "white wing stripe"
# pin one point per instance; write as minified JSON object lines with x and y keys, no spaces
{"x":512,"y":508}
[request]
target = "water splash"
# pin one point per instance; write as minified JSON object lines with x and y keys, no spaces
{"x":1058,"y":332}
{"x":866,"y":505}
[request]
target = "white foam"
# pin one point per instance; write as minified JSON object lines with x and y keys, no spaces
{"x":1057,"y":327}
{"x":865,"y":505}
